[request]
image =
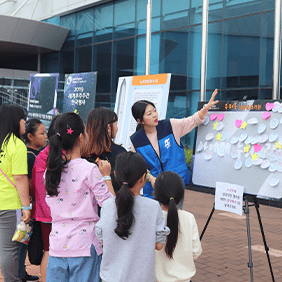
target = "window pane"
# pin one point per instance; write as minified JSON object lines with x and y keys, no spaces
{"x":251,"y":94}
{"x":124,"y":18}
{"x":215,"y":10}
{"x":174,"y":56}
{"x":123,"y":57}
{"x":69,"y":22}
{"x":103,"y":23}
{"x":235,"y":8}
{"x":175,"y":14}
{"x":141,"y":14}
{"x":241,"y":52}
{"x":84,"y":27}
{"x":196,"y":12}
{"x":83,"y":59}
{"x":214,"y":55}
{"x":266,"y":94}
{"x":267,"y":42}
{"x":50,"y":62}
{"x":67,"y":62}
{"x":194,"y":60}
{"x":102,"y":55}
{"x":268,"y":5}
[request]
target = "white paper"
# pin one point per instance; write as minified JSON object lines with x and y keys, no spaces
{"x":229,"y":197}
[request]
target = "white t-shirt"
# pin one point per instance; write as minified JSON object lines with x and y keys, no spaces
{"x":181,"y":267}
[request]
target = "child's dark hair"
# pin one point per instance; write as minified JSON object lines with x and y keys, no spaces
{"x":30,"y":127}
{"x":68,"y":128}
{"x":10,"y":117}
{"x":100,"y":141}
{"x":129,"y":168}
{"x":52,"y":128}
{"x":138,"y":110}
{"x":169,"y":191}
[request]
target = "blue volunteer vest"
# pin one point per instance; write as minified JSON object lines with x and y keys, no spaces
{"x":171,"y":158}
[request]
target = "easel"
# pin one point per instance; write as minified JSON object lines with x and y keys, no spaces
{"x":247,"y":212}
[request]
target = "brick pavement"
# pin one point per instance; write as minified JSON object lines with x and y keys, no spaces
{"x":225,"y":253}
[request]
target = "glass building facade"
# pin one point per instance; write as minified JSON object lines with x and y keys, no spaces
{"x":110,"y":39}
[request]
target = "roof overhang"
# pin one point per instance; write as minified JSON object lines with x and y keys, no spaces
{"x":20,"y":36}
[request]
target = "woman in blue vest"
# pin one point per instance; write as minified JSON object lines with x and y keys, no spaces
{"x":158,"y":141}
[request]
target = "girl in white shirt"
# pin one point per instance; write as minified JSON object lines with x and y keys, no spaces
{"x":175,"y":262}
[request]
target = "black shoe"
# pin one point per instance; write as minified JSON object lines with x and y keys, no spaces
{"x":28,"y":277}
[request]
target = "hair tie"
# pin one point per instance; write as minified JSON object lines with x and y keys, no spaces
{"x":58,"y":134}
{"x":171,"y":198}
{"x":125,"y":183}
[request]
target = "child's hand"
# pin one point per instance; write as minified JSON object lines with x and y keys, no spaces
{"x":104,"y":167}
{"x":204,"y":111}
{"x":26,"y":216}
{"x":152,"y":179}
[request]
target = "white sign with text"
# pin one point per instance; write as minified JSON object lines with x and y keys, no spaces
{"x":229,"y":197}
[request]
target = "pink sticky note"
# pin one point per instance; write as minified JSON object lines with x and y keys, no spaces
{"x":238,"y":123}
{"x":257,"y":147}
{"x":220,"y":117}
{"x":266,"y":115}
{"x":269,"y":106}
{"x":213,"y":117}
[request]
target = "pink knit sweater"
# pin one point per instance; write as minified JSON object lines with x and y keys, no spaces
{"x":40,"y":210}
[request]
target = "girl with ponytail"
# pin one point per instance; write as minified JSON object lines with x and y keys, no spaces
{"x":131,"y":227}
{"x":176,"y":261}
{"x":74,"y":188}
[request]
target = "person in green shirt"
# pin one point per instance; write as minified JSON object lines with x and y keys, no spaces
{"x":14,"y":189}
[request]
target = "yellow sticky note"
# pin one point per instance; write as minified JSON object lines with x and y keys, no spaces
{"x":214,"y":125}
{"x":247,"y":148}
{"x":218,"y":136}
{"x":254,"y":156}
{"x":277,"y":145}
{"x":243,"y":125}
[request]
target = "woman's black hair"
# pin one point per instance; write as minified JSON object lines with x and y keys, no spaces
{"x":10,"y":117}
{"x":30,"y":127}
{"x":138,"y":111}
{"x":68,"y":128}
{"x":169,"y":191}
{"x":129,"y":168}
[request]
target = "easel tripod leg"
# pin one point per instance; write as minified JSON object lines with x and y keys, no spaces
{"x":250,"y":263}
{"x":263,"y":238}
{"x":207,"y":223}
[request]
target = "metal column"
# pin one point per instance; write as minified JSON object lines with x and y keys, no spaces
{"x":148,"y":37}
{"x":277,"y":51}
{"x":205,"y":17}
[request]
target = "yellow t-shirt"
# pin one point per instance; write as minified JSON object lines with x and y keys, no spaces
{"x":13,"y":161}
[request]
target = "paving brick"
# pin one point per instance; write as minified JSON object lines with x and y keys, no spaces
{"x":225,"y":254}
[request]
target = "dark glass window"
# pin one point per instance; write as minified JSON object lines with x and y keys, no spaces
{"x":67,"y":62}
{"x":84,"y":27}
{"x":173,"y":57}
{"x":103,"y":23}
{"x":124,"y":18}
{"x":236,"y":8}
{"x":251,"y":94}
{"x":215,"y":10}
{"x":196,"y":12}
{"x":241,"y":52}
{"x":83,"y":59}
{"x":102,"y":60}
{"x":50,"y":62}
{"x":141,"y":14}
{"x":267,"y":41}
{"x":268,"y":5}
{"x":194,"y":60}
{"x":69,"y":22}
{"x":175,"y":14}
{"x":123,"y":60}
{"x":214,"y":55}
{"x":266,"y":94}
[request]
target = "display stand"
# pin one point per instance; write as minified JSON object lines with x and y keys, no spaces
{"x":247,"y":212}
